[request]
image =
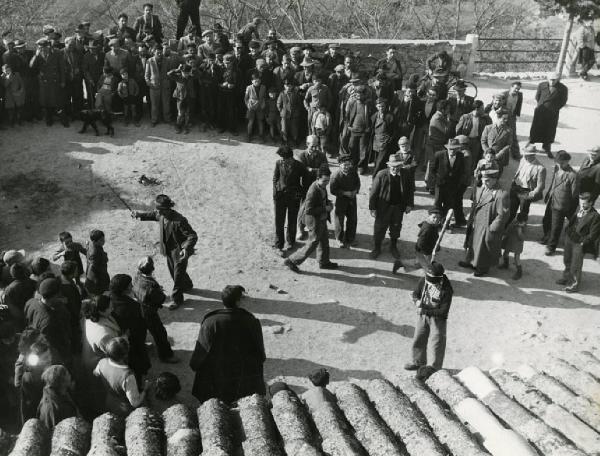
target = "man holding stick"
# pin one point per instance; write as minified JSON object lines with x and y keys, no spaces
{"x":177,"y":240}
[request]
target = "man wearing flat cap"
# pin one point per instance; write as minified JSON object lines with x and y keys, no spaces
{"x":561,"y":201}
{"x":177,"y":241}
{"x":229,"y":354}
{"x":391,"y":196}
{"x":487,"y":222}
{"x":332,"y":58}
{"x":551,"y":97}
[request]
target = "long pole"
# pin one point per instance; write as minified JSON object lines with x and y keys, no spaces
{"x":565,"y":45}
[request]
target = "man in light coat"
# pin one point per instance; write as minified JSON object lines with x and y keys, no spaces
{"x":498,"y":137}
{"x":159,"y":86}
{"x":528,"y":184}
{"x":487,"y":221}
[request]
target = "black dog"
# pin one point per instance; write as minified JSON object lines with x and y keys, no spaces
{"x":91,"y":116}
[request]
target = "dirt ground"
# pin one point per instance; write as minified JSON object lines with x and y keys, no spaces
{"x":358,"y":321}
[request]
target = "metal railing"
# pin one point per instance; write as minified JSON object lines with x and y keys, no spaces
{"x":545,"y":52}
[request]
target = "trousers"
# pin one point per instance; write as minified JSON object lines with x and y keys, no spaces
{"x":285,"y":204}
{"x":159,"y":334}
{"x":436,"y":328}
{"x":518,"y":202}
{"x":344,"y":222}
{"x":450,"y":197}
{"x":193,"y":14}
{"x":388,"y":218}
{"x":552,"y":224}
{"x":178,"y":270}
{"x":318,"y":239}
{"x":358,"y":147}
{"x":160,"y":99}
{"x":573,"y":261}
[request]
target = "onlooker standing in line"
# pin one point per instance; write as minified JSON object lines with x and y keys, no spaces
{"x":561,"y":201}
{"x":528,"y":184}
{"x":345,"y":185}
{"x":583,"y":235}
{"x":551,"y":97}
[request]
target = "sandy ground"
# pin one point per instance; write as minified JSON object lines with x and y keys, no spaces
{"x":358,"y":321}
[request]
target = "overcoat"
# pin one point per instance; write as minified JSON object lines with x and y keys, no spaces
{"x":545,"y":116}
{"x":51,"y":75}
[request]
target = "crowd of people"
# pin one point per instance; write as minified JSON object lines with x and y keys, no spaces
{"x":73,"y":338}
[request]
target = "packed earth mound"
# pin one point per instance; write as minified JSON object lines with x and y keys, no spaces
{"x":550,"y":411}
{"x":358,"y":321}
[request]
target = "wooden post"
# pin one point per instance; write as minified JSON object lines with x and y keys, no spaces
{"x":447,"y":428}
{"x":564,"y":47}
{"x":583,"y":436}
{"x":473,"y":67}
{"x":546,"y":439}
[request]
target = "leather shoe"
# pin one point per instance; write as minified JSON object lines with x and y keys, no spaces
{"x":330,"y":265}
{"x":411,"y":367}
{"x":543,"y":241}
{"x":397,"y":265}
{"x":572,"y":289}
{"x":291,"y":266}
{"x":562,"y":281}
{"x":466,"y":264}
{"x":374,"y":253}
{"x":478,"y":273}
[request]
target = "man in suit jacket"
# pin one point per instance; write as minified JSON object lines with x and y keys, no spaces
{"x":391,"y":196}
{"x":498,"y":137}
{"x":487,"y":221}
{"x":528,"y":184}
{"x":382,"y":136}
{"x":514,"y":102}
{"x":159,"y":86}
{"x":448,"y":170}
{"x":472,"y":125}
{"x":551,"y":96}
{"x":460,"y":104}
{"x":148,"y":25}
{"x":409,"y":114}
{"x":316,"y":214}
{"x":561,"y":201}
{"x":583,"y":235}
{"x":177,"y":241}
{"x":588,"y":176}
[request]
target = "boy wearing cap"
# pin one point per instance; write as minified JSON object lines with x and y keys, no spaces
{"x":432,"y":298}
{"x":289,"y":106}
{"x":177,"y":241}
{"x":129,"y":92}
{"x":561,"y":201}
{"x":427,"y":238}
{"x":345,"y":185}
{"x":320,"y":126}
{"x":528,"y":184}
{"x":582,"y":237}
{"x":184,"y":94}
{"x":272,"y":115}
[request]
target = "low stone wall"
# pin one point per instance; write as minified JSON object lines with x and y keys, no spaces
{"x":413,"y":53}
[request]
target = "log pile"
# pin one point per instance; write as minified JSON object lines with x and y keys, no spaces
{"x":500,"y":413}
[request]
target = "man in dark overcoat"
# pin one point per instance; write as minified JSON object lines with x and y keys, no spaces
{"x":229,"y":354}
{"x":449,"y":171}
{"x":177,"y":241}
{"x":551,"y":96}
{"x":48,"y":63}
{"x":489,"y":214}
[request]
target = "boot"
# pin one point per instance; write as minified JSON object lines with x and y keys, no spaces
{"x":375,"y":252}
{"x":504,"y":263}
{"x":518,"y":273}
{"x":394,"y":249}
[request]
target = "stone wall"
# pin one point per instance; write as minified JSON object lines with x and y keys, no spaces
{"x":413,"y":53}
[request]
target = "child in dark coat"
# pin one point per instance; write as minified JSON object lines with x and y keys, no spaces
{"x":129,"y":92}
{"x":184,"y":94}
{"x":426,"y":240}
